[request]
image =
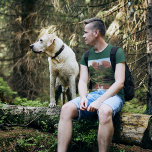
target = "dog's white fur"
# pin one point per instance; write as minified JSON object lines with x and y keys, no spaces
{"x":63,"y":69}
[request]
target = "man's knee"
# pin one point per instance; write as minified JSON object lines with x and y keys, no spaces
{"x":68,"y":110}
{"x":105,"y":114}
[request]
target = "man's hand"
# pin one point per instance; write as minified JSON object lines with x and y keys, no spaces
{"x":94,"y":106}
{"x":84,"y":103}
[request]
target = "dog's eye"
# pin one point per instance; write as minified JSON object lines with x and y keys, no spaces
{"x":41,"y":40}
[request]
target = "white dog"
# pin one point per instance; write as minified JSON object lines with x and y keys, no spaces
{"x":62,"y":63}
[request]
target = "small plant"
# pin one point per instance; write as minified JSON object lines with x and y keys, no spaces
{"x":137,"y":104}
{"x":3,"y":115}
{"x":32,"y":103}
{"x":44,"y":126}
{"x":6,"y":93}
{"x":27,"y":142}
{"x":84,"y":136}
{"x":2,"y":119}
{"x":39,"y":141}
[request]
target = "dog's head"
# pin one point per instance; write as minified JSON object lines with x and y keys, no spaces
{"x":45,"y":42}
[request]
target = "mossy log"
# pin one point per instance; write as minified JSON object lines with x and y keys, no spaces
{"x":129,"y":128}
{"x":39,"y":117}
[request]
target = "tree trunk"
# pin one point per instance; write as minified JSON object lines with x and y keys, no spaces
{"x":129,"y":128}
{"x":149,"y":51}
{"x":23,"y":78}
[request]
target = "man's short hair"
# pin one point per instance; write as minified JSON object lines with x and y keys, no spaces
{"x":97,"y":24}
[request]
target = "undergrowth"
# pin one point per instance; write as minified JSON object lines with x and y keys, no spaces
{"x":83,"y":140}
{"x":28,"y":140}
{"x":134,"y":106}
{"x":8,"y":96}
{"x":84,"y":132}
{"x":26,"y":102}
{"x":6,"y":93}
{"x":137,"y":104}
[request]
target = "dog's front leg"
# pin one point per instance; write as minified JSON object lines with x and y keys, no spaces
{"x":52,"y":90}
{"x":72,"y":86}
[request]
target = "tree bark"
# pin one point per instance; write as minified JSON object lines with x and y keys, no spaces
{"x":23,"y":78}
{"x":129,"y":128}
{"x":133,"y":129}
{"x":149,"y":51}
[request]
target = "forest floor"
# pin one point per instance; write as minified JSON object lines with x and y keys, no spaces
{"x":18,"y":139}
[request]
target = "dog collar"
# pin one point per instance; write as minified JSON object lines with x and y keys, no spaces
{"x":57,"y":53}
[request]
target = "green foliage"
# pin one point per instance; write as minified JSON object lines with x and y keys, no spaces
{"x":6,"y":93}
{"x":89,"y":138}
{"x":43,"y":141}
{"x":140,"y":94}
{"x":135,"y":105}
{"x":49,"y":124}
{"x":84,"y":136}
{"x":26,"y":102}
{"x":2,"y":119}
{"x":44,"y":126}
{"x":29,"y":140}
{"x":2,"y":116}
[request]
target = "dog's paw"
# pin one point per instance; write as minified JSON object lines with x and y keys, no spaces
{"x":52,"y":105}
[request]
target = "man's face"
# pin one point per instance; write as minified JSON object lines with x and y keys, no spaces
{"x":89,"y":35}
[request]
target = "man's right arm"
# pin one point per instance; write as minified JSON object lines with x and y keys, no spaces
{"x":82,"y":86}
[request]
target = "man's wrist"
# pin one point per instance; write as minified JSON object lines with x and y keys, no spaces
{"x":98,"y":101}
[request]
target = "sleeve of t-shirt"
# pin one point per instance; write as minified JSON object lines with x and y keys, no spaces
{"x":120,"y":56}
{"x":82,"y":61}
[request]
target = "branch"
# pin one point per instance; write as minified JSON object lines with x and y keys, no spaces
{"x":143,"y":29}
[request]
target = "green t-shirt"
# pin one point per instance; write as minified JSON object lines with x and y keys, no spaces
{"x":100,"y":69}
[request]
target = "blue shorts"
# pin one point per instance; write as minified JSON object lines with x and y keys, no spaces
{"x":114,"y":102}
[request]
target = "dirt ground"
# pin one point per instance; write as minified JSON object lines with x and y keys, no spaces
{"x":127,"y":148}
{"x":10,"y":135}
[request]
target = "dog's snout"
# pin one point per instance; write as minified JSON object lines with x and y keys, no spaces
{"x":31,"y":46}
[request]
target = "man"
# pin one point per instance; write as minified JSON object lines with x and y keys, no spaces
{"x":107,"y":86}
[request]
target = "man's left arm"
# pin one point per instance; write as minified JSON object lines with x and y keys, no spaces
{"x":113,"y":90}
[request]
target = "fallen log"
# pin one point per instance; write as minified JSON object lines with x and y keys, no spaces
{"x":133,"y":129}
{"x":129,"y":128}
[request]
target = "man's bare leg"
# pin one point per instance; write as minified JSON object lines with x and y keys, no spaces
{"x":106,"y":129}
{"x":69,"y":111}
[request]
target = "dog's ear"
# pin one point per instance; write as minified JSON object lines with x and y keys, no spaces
{"x":53,"y":40}
{"x":50,"y":42}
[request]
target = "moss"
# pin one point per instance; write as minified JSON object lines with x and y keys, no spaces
{"x":20,"y":139}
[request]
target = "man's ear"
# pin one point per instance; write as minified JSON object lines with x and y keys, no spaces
{"x":96,"y":33}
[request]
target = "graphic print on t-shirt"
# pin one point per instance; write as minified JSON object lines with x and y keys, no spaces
{"x":101,"y":73}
